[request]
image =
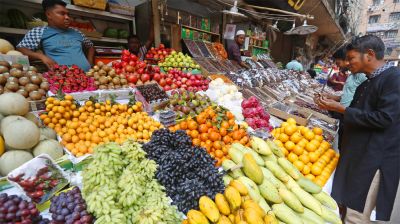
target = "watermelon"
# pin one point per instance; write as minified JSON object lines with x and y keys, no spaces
{"x":111,"y":32}
{"x":123,"y":34}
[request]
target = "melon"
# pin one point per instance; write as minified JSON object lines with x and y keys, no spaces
{"x":13,"y":104}
{"x":50,"y":147}
{"x":7,"y":120}
{"x":33,"y":118}
{"x":13,"y":159}
{"x":21,"y":134}
{"x":12,"y":52}
{"x":48,"y":132}
{"x":1,"y":117}
{"x":5,"y":46}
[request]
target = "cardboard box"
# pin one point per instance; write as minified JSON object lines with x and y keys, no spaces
{"x":281,"y":111}
{"x":124,"y":7}
{"x":98,"y":4}
{"x":16,"y":59}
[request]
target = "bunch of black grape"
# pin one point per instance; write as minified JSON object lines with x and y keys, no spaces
{"x":14,"y":209}
{"x":187,"y":172}
{"x":69,"y":208}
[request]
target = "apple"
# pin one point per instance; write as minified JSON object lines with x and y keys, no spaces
{"x":169,"y":81}
{"x":132,"y":78}
{"x":197,"y":82}
{"x":189,"y":82}
{"x":142,"y":64}
{"x":179,"y":83}
{"x":156,"y":69}
{"x":184,"y":86}
{"x":126,"y":52}
{"x":133,"y":57}
{"x":167,"y":88}
{"x":129,"y":68}
{"x":190,"y":88}
{"x":124,"y":64}
{"x":140,"y":71}
{"x":118,"y":70}
{"x":162,"y":82}
{"x":145,"y":77}
{"x":125,"y":58}
{"x":184,"y":80}
{"x":199,"y":77}
{"x":174,"y":86}
{"x":157,"y":77}
{"x":192,"y":77}
{"x":161,"y":46}
{"x":132,"y":63}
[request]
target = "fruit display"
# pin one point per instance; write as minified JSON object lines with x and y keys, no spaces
{"x":119,"y":186}
{"x":226,"y":95}
{"x":214,"y":129}
{"x":187,"y":172}
{"x":69,"y":207}
{"x":206,"y":65}
{"x":176,"y":79}
{"x":158,"y":54}
{"x":39,"y":178}
{"x":278,"y":187}
{"x":5,"y":46}
{"x":29,"y":83}
{"x":68,"y":79}
{"x":220,"y":49}
{"x":188,"y":103}
{"x":178,"y":61}
{"x":307,"y":150}
{"x":14,"y":209}
{"x":82,"y":128}
{"x":255,"y":115}
{"x":82,"y":25}
{"x":105,"y":77}
{"x":233,"y":206}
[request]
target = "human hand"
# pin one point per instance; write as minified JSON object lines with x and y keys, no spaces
{"x":48,"y":61}
{"x":331,"y":105}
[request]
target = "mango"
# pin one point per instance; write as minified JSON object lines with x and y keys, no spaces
{"x":252,"y":187}
{"x":250,"y":204}
{"x":240,"y":187}
{"x":196,"y":217}
{"x":260,"y":146}
{"x":222,"y":204}
{"x":224,"y":220}
{"x":252,"y":169}
{"x":209,"y":208}
{"x":269,"y":192}
{"x":233,"y":197}
{"x":252,"y":217}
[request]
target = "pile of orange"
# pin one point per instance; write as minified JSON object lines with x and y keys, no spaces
{"x":215,"y":130}
{"x":83,"y":127}
{"x":307,"y":150}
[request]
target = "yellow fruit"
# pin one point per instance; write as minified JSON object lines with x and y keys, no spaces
{"x":317,"y":131}
{"x":316,"y":170}
{"x":284,"y":124}
{"x":240,"y":187}
{"x":290,"y":130}
{"x":291,"y":121}
{"x":304,"y":130}
{"x":298,"y":150}
{"x":292,"y":157}
{"x":311,"y":147}
{"x":299,"y":165}
{"x":224,"y":220}
{"x":270,"y":218}
{"x":2,"y":146}
{"x":196,"y":217}
{"x":252,"y":217}
{"x":232,"y":218}
{"x":222,"y":204}
{"x":309,"y":135}
{"x":233,"y":197}
{"x":239,"y":217}
{"x":289,"y":145}
{"x":296,"y":138}
{"x":310,"y":176}
{"x":283,"y":137}
{"x":209,"y":208}
{"x":250,"y":204}
{"x":252,"y":169}
{"x":304,"y":158}
{"x":306,"y":170}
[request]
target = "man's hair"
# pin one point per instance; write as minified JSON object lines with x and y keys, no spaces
{"x":48,"y":4}
{"x":340,"y":53}
{"x":133,"y":36}
{"x":364,"y":43}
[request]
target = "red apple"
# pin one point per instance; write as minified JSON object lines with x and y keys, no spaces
{"x":157,"y":77}
{"x":179,"y":83}
{"x":140,"y":71}
{"x":197,"y":82}
{"x":129,"y":68}
{"x":145,"y":77}
{"x":173,"y":86}
{"x":132,"y":63}
{"x":184,"y":86}
{"x":189,"y":82}
{"x":132,"y":78}
{"x":167,"y":88}
{"x":162,"y":82}
{"x":169,"y":81}
{"x":126,"y":52}
{"x":161,"y":46}
{"x":199,"y":77}
{"x":125,"y":58}
{"x":156,"y":69}
{"x":192,"y":77}
{"x":133,"y":57}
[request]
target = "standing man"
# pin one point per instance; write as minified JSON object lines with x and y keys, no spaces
{"x":368,"y":172}
{"x":295,"y":64}
{"x":60,"y":44}
{"x":234,"y":49}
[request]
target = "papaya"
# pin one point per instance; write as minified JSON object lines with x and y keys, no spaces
{"x":209,"y":208}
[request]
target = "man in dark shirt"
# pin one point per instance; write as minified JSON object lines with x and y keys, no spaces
{"x":234,"y":49}
{"x":368,"y":172}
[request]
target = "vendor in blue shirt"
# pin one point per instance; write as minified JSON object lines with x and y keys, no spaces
{"x":60,"y":44}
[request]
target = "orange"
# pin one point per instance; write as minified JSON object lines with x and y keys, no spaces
{"x":309,"y":135}
{"x":319,"y":182}
{"x":67,"y":137}
{"x":227,"y":139}
{"x":283,"y":137}
{"x":304,"y":130}
{"x":319,"y":138}
{"x":291,"y":121}
{"x":313,"y":157}
{"x":325,"y":145}
{"x":306,"y":170}
{"x":317,"y":131}
{"x":299,"y":165}
{"x":194,"y":134}
{"x":290,"y":130}
{"x":304,"y":158}
{"x":217,"y":145}
{"x":311,"y":147}
{"x":285,"y":151}
{"x":223,"y":131}
{"x":203,"y":128}
{"x":278,"y":143}
{"x":214,"y":136}
{"x":196,"y":141}
{"x":183,"y":125}
{"x":192,"y":125}
{"x":292,"y":157}
{"x":289,"y":145}
{"x":219,"y":153}
{"x":284,"y":124}
{"x":296,"y":137}
{"x":316,"y":170}
{"x":315,"y":142}
{"x":298,"y":150}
